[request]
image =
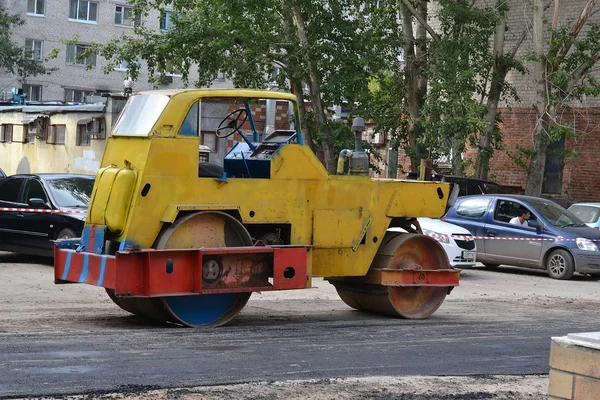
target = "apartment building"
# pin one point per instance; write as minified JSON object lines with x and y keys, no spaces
{"x":49,"y":23}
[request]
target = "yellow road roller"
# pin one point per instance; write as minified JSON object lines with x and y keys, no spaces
{"x":205,"y":196}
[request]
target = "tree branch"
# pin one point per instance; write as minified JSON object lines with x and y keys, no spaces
{"x":576,"y":29}
{"x":580,"y":71}
{"x":424,"y":23}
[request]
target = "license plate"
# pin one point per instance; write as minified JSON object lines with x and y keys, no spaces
{"x":468,"y":255}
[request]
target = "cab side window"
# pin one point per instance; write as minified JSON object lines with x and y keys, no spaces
{"x":191,"y":122}
{"x":473,"y":208}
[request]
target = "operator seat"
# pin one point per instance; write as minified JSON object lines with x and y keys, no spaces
{"x":210,"y":170}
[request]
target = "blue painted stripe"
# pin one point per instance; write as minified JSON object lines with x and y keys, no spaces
{"x":102,"y":268}
{"x":67,"y":266}
{"x":84,"y":271}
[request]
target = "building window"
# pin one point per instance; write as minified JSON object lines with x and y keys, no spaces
{"x":33,"y":92}
{"x":125,"y":16}
{"x":83,"y":136}
{"x":35,"y":48}
{"x":35,"y":7}
{"x":56,"y":134}
{"x":74,"y":56}
{"x":83,"y":10}
{"x":165,"y":20}
{"x":76,"y":95}
{"x":6,"y":133}
{"x":124,"y":66}
{"x":210,"y":139}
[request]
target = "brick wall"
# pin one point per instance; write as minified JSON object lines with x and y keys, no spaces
{"x":574,"y":372}
{"x":581,"y":174}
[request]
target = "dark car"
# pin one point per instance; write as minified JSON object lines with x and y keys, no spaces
{"x":471,"y":186}
{"x":467,"y":186}
{"x":553,"y":238}
{"x":64,"y":197}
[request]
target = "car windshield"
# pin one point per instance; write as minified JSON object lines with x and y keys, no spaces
{"x":555,"y":214}
{"x":588,"y":214}
{"x":140,"y":114}
{"x":71,"y":192}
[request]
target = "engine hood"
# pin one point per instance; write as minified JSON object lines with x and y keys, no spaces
{"x":580,"y":231}
{"x":439,"y":226}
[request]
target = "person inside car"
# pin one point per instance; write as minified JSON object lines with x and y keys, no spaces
{"x":522,"y":218}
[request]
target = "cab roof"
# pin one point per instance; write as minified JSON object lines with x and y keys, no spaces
{"x":246,"y":93}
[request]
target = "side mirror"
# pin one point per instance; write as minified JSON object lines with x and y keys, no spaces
{"x":37,"y":203}
{"x":534,"y":223}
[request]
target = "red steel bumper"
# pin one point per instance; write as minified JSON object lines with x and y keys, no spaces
{"x":157,"y":273}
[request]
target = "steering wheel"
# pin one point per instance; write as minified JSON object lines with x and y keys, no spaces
{"x":233,"y":121}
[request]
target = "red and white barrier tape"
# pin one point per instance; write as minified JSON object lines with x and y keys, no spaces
{"x":461,"y":237}
{"x":42,"y":210}
{"x":470,"y":237}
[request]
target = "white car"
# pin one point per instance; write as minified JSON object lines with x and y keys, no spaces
{"x":457,"y":241}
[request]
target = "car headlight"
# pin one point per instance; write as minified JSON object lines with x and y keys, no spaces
{"x":437,"y":236}
{"x":586,"y":244}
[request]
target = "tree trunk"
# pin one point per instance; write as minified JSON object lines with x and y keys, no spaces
{"x":296,"y":89}
{"x":457,"y":163}
{"x":412,"y":77}
{"x":315,"y":90}
{"x":485,"y":151}
{"x":537,"y":164}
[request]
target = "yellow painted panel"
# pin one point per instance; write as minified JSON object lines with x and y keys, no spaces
{"x":285,"y":164}
{"x":119,"y":200}
{"x":338,"y":228}
{"x":103,"y":184}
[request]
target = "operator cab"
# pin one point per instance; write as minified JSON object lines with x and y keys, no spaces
{"x":241,"y":134}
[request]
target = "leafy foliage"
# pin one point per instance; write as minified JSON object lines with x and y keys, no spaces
{"x":249,"y":40}
{"x":459,"y":72}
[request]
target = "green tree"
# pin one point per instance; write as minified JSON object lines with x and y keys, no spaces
{"x":564,"y":60}
{"x":14,"y":59}
{"x":446,"y":93}
{"x":327,"y":49}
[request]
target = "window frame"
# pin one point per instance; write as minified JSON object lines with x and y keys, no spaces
{"x":79,"y":63}
{"x":54,"y":134}
{"x":87,"y":20}
{"x":84,"y":92}
{"x":28,"y":89}
{"x":135,"y":21}
{"x":35,"y":8}
{"x":32,"y":48}
{"x":81,"y":134}
{"x":3,"y":133}
{"x":166,"y":16}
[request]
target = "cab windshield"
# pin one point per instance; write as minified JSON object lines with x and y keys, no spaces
{"x":140,"y":114}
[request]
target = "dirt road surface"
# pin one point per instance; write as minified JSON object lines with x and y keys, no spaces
{"x":31,"y":302}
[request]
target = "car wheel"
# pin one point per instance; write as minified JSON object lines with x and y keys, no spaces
{"x":66,"y":234}
{"x":560,"y":265}
{"x":491,"y":266}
